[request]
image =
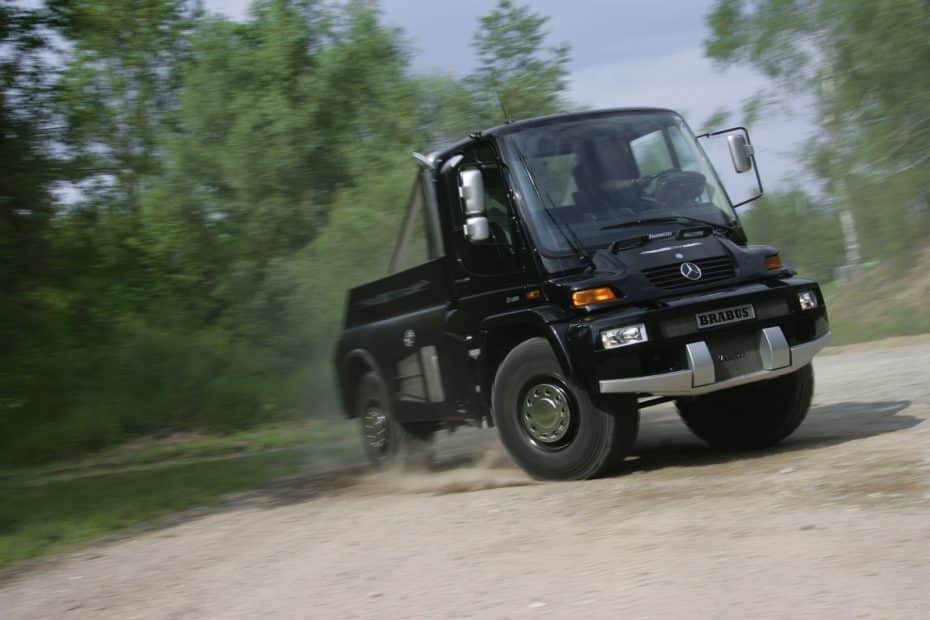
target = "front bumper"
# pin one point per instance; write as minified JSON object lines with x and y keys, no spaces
{"x":777,"y":356}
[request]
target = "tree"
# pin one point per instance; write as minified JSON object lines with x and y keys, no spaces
{"x":27,"y":170}
{"x":866,"y":65}
{"x":221,"y":182}
{"x":276,"y":117}
{"x":517,"y":72}
{"x":118,"y":81}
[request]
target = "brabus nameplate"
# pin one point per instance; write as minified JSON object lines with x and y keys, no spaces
{"x":724,"y":316}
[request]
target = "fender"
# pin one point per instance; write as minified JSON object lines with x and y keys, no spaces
{"x":349,"y":369}
{"x":547,"y":321}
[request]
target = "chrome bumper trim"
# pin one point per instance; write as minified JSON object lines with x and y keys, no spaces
{"x":777,"y":359}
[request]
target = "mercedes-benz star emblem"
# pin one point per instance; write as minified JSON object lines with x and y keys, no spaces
{"x":691,"y":271}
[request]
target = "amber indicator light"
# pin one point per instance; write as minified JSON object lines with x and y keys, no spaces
{"x":592,"y":296}
{"x":773,"y":262}
{"x":533,"y":295}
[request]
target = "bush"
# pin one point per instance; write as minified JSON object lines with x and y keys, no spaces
{"x":150,"y":381}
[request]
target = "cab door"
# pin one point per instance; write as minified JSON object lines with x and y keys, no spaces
{"x":418,"y":292}
{"x":489,"y":278}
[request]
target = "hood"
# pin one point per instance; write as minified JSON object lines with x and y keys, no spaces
{"x":654,"y":269}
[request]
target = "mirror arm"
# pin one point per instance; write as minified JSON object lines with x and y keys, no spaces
{"x":427,"y":161}
{"x":711,"y":134}
{"x":752,"y":157}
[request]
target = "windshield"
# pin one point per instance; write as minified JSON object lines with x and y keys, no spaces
{"x":583,"y":179}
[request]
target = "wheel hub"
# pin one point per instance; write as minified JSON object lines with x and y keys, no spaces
{"x":375,"y":424}
{"x":546,"y":413}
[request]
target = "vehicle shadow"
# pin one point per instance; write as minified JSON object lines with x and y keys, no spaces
{"x":665,"y":441}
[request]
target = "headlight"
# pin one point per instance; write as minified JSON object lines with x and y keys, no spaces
{"x":623,"y":336}
{"x":808,"y":300}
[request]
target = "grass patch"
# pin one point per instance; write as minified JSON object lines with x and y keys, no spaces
{"x":899,"y":322}
{"x":260,"y":439}
{"x":328,"y":437}
{"x":891,"y":299}
{"x":52,"y":508}
{"x":40,"y":518}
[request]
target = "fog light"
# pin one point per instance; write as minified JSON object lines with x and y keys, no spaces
{"x":808,"y":300}
{"x":623,"y":336}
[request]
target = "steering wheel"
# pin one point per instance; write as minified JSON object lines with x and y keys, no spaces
{"x":672,"y":187}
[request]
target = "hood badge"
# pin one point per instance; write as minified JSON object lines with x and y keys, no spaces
{"x":691,"y":271}
{"x":672,"y":247}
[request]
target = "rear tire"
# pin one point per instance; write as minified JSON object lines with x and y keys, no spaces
{"x":388,"y":442}
{"x":550,"y":425}
{"x":751,"y":416}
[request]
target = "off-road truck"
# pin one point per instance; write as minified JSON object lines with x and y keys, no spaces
{"x":554,"y":276}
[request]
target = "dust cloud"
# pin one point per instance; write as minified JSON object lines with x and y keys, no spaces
{"x":471,"y":460}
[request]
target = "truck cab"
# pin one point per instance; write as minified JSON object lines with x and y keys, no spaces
{"x":555,"y":276}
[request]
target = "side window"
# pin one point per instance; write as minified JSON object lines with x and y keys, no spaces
{"x":497,"y":207}
{"x":554,"y":173}
{"x":416,"y":244}
{"x":651,"y":153}
{"x":684,"y":152}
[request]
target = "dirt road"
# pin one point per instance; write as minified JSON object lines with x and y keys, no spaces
{"x":834,"y":523}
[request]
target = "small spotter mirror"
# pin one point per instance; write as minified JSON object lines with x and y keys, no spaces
{"x":740,"y":151}
{"x":477,"y":228}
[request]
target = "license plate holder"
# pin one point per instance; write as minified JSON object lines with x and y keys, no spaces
{"x":724,"y":316}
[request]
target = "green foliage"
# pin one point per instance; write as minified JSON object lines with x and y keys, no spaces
{"x":716,"y":121}
{"x":118,"y":82}
{"x":222,"y":180}
{"x":26,"y":205}
{"x":890,"y":299}
{"x":866,"y":64}
{"x":517,"y":71}
{"x":804,"y":232}
{"x":906,"y":321}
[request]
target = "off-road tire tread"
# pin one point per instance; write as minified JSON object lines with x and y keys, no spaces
{"x":607,"y":432}
{"x":753,"y":416}
{"x":414,"y":449}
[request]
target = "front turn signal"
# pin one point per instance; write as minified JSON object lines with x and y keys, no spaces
{"x":773,"y":262}
{"x":591,"y":296}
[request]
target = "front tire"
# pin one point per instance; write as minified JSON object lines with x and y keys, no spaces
{"x":751,"y":416}
{"x":549,"y":424}
{"x":388,"y":442}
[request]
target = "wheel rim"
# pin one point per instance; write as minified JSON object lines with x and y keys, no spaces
{"x":376,"y":429}
{"x":546,"y":413}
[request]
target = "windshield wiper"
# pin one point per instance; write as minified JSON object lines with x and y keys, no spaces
{"x":671,"y":219}
{"x":571,"y":238}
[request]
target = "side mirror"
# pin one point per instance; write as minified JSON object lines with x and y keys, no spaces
{"x":740,"y":152}
{"x":471,"y":190}
{"x":740,"y":189}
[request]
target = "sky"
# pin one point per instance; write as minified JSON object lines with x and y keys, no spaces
{"x":624,"y":53}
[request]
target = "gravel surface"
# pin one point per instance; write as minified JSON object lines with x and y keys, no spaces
{"x":833,"y":523}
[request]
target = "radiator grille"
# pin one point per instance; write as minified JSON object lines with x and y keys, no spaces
{"x":715,"y":269}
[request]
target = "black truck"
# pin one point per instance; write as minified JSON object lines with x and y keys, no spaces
{"x":556,"y":275}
